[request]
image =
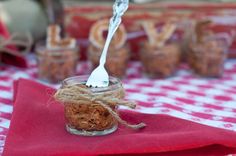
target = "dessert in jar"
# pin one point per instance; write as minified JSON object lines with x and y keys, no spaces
{"x":91,"y":102}
{"x":206,"y":51}
{"x":159,"y":55}
{"x":57,"y":59}
{"x":92,"y":111}
{"x":118,"y":52}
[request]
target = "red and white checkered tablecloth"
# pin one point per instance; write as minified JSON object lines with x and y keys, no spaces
{"x":207,"y":101}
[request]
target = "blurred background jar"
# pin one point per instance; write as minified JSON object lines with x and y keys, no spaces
{"x":116,"y":63}
{"x":160,"y":62}
{"x":54,"y":65}
{"x":207,"y":58}
{"x":118,"y":53}
{"x":160,"y":53}
{"x":207,"y":50}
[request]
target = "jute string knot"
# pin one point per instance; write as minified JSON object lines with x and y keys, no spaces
{"x":15,"y":41}
{"x":78,"y":95}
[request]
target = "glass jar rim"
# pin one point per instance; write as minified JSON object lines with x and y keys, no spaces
{"x":156,"y":51}
{"x":124,"y":49}
{"x":41,"y":48}
{"x":116,"y":83}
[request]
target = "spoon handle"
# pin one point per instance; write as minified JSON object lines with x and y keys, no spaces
{"x":119,"y":8}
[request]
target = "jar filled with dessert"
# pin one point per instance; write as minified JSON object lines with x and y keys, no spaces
{"x":92,"y":111}
{"x":118,"y":52}
{"x":57,"y":58}
{"x":207,"y":51}
{"x":159,"y":55}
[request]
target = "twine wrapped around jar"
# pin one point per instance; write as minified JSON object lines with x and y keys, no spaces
{"x":80,"y":94}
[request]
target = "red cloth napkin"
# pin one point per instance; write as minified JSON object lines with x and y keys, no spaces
{"x":9,"y":58}
{"x":37,"y":128}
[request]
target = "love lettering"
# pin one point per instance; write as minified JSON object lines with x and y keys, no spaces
{"x":155,"y":38}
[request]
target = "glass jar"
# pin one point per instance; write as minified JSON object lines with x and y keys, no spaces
{"x":54,"y":65}
{"x":116,"y":62}
{"x":206,"y":58}
{"x":160,"y":62}
{"x":87,"y":117}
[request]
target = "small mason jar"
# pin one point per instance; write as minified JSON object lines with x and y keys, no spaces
{"x":206,"y":58}
{"x":86,"y":116}
{"x":160,"y":62}
{"x":116,"y":62}
{"x":54,"y":65}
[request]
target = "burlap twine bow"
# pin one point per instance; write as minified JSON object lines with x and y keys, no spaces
{"x":15,"y":41}
{"x":79,"y":95}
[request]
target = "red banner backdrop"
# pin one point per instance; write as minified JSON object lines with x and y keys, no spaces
{"x":79,"y":20}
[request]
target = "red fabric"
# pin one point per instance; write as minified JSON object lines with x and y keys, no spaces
{"x":37,"y":128}
{"x":3,"y":30}
{"x":8,"y":58}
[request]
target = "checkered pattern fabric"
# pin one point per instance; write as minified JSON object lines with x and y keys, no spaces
{"x":207,"y":101}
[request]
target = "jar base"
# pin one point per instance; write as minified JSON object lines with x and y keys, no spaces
{"x":91,"y":133}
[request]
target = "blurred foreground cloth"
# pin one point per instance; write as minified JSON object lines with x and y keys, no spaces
{"x":23,"y":16}
{"x":9,"y":53}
